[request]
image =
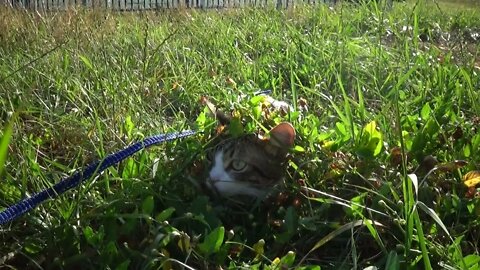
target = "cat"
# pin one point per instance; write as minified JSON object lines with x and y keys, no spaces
{"x":250,"y":165}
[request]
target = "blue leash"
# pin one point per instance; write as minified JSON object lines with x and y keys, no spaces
{"x":76,"y":179}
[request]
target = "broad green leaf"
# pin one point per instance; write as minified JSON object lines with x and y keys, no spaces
{"x":236,"y":127}
{"x":472,"y":260}
{"x":165,"y":214}
{"x":130,"y":169}
{"x":471,"y":207}
{"x":257,"y":112}
{"x":376,"y":138}
{"x":324,"y":136}
{"x":89,"y":235}
{"x":467,"y":150}
{"x":419,"y":142}
{"x":111,"y":249}
{"x":92,"y":237}
{"x":287,"y":260}
{"x":371,"y":128}
{"x":309,"y":267}
{"x":355,"y":208}
{"x":256,"y":100}
{"x":431,"y":127}
{"x":147,"y":205}
{"x":476,"y":143}
{"x":259,"y":249}
{"x":298,"y":148}
{"x":371,"y":141}
{"x":129,"y":126}
{"x":425,"y":112}
{"x":123,"y":265}
{"x":328,"y":144}
{"x":407,"y":138}
{"x":212,"y":241}
{"x":201,"y":120}
{"x":393,"y":262}
{"x":375,"y":145}
{"x":341,"y":128}
{"x":454,"y":251}
{"x":32,"y":246}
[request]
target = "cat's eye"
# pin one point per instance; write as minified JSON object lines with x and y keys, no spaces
{"x":238,"y":165}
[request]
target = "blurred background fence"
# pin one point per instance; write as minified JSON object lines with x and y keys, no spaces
{"x":138,"y":5}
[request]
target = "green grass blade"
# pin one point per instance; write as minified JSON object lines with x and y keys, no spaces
{"x":5,"y":141}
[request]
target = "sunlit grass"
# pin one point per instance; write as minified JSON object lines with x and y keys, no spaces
{"x":465,"y":5}
{"x":381,"y":97}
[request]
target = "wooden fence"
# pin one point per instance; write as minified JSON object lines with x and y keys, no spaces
{"x":138,"y":5}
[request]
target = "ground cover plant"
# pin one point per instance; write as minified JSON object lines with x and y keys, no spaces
{"x":383,"y":172}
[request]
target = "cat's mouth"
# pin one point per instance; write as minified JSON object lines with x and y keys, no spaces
{"x":228,"y":188}
{"x":213,"y":182}
{"x":212,"y":185}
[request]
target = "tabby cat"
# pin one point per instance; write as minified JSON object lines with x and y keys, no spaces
{"x":250,"y":165}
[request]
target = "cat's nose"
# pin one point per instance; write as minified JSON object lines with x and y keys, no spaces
{"x":216,"y":173}
{"x":214,"y":177}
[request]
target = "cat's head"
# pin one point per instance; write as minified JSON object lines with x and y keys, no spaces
{"x":250,"y":165}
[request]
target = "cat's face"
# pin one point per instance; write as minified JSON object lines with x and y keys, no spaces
{"x":250,"y":165}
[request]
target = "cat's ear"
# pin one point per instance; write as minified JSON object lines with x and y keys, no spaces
{"x":283,"y":135}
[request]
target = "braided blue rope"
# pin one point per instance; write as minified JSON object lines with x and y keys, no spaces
{"x":76,"y":179}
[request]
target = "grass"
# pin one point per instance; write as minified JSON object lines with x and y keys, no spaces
{"x":386,"y":113}
{"x":460,"y":4}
